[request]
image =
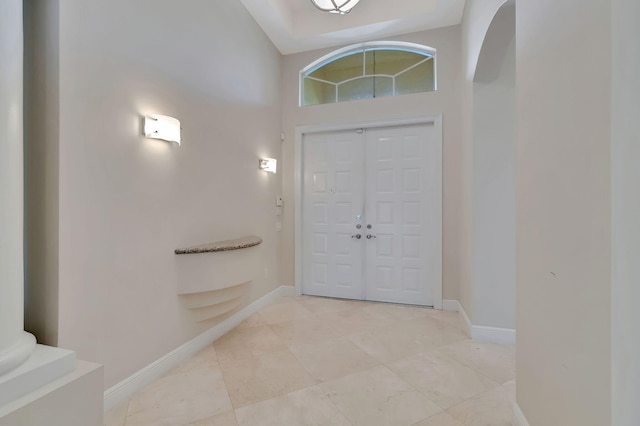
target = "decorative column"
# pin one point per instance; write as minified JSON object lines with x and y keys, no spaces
{"x":15,"y":344}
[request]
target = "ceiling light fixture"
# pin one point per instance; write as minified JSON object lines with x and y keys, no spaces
{"x":335,"y":6}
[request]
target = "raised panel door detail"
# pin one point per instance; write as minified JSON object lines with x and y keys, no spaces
{"x":320,"y":182}
{"x":320,"y":213}
{"x":344,"y":244}
{"x":343,"y":275}
{"x":333,"y":169}
{"x":411,"y":246}
{"x":411,"y":147}
{"x":343,"y":183}
{"x":384,"y":277}
{"x":385,"y":181}
{"x":384,"y":213}
{"x":404,"y":208}
{"x":320,"y":243}
{"x":384,"y":150}
{"x":343,"y":213}
{"x":411,"y":279}
{"x":384,"y":245}
{"x":320,"y":151}
{"x":411,"y":180}
{"x":411,"y":213}
{"x":388,"y":178}
{"x":320,"y":274}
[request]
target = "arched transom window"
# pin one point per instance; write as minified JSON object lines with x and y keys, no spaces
{"x":368,"y":70}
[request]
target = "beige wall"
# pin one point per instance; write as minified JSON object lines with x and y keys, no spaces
{"x":494,"y":179}
{"x":563,"y":212}
{"x":444,"y":101}
{"x":625,"y":213}
{"x":11,"y":185}
{"x":126,"y":202}
{"x":41,"y":168}
{"x":476,"y":19}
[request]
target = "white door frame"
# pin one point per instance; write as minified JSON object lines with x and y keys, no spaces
{"x":436,"y":120}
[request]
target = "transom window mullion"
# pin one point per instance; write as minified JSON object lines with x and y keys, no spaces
{"x":390,"y":63}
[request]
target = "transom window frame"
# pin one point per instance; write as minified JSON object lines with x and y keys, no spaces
{"x":362,"y":47}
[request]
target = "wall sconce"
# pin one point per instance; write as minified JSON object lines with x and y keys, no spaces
{"x":162,"y":127}
{"x":268,"y":164}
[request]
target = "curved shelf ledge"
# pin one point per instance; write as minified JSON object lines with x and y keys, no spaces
{"x":211,"y":304}
{"x":226,"y":245}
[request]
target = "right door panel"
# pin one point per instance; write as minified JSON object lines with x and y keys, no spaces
{"x":403,"y":208}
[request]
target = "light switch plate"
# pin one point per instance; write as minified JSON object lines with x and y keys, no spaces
{"x":279,"y":201}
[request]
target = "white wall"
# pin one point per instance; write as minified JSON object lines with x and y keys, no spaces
{"x":625,"y":113}
{"x":125,"y":202}
{"x":494,"y":179}
{"x":563,"y":64}
{"x":444,"y":101}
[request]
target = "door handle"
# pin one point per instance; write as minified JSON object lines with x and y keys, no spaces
{"x":369,"y":236}
{"x":356,"y":236}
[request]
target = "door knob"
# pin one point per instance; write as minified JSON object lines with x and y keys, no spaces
{"x":369,"y":226}
{"x":358,"y":226}
{"x":356,"y":236}
{"x":369,"y":236}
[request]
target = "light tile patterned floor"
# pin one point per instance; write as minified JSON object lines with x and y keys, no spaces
{"x":314,"y":361}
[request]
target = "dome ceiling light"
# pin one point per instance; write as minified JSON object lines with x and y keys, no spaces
{"x":335,"y":6}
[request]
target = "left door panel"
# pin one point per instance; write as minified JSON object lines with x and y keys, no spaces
{"x":332,"y":208}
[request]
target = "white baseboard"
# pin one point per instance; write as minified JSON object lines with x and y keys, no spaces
{"x":479,"y":332}
{"x":450,"y":305}
{"x":518,"y":418}
{"x":126,"y":388}
{"x":456,"y":306}
{"x":506,"y":336}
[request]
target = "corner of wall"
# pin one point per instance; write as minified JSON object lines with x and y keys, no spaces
{"x":41,"y":136}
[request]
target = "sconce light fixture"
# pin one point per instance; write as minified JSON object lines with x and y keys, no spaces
{"x":268,"y":164}
{"x":162,"y":127}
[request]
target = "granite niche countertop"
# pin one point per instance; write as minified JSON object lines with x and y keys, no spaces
{"x":226,"y":245}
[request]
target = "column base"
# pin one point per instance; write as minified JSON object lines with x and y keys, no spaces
{"x":74,"y":399}
{"x":17,"y":354}
{"x":45,"y":365}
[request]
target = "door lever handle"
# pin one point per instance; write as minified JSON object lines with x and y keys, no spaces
{"x":356,"y":236}
{"x":369,"y":236}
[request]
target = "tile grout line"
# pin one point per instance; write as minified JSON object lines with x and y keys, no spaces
{"x":469,"y":365}
{"x":226,"y":388}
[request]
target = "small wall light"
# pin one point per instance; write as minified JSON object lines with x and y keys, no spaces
{"x":268,"y":164}
{"x":162,"y":127}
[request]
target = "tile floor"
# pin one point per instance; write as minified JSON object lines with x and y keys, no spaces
{"x":314,"y":361}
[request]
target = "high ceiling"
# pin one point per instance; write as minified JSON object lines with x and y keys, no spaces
{"x":297,"y":26}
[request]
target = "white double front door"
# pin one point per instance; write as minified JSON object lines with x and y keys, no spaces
{"x":372,"y":214}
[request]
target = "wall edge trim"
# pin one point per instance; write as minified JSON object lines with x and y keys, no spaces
{"x":480,"y":333}
{"x":138,"y":380}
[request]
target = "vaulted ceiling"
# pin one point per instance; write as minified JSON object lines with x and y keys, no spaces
{"x":297,"y":26}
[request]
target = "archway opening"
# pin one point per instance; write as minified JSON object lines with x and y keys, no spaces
{"x":494,"y":177}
